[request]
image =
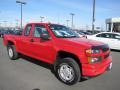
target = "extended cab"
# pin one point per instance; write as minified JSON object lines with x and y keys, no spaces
{"x":71,"y":56}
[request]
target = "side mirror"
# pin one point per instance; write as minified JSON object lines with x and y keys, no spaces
{"x":45,"y":37}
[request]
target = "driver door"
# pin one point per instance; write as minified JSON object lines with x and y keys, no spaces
{"x":42,"y":49}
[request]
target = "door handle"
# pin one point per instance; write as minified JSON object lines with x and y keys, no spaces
{"x":31,"y":40}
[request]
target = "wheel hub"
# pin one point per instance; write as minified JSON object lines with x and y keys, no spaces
{"x":10,"y":52}
{"x":66,"y":72}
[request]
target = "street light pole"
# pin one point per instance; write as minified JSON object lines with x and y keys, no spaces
{"x":67,"y":22}
{"x":0,"y":24}
{"x":5,"y":22}
{"x":93,"y":17}
{"x":41,"y":18}
{"x":16,"y":23}
{"x":21,"y":3}
{"x":72,"y":14}
{"x":21,"y":15}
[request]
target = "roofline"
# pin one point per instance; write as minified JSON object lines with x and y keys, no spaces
{"x":38,"y":23}
{"x":44,"y":23}
{"x":109,"y":32}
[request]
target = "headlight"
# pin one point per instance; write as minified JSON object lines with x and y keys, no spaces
{"x":92,"y":51}
{"x":94,"y":59}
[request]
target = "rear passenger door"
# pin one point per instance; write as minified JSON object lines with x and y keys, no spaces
{"x":115,"y":41}
{"x":25,"y":42}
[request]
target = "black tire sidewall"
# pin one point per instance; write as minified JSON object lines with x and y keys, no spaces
{"x":72,"y":63}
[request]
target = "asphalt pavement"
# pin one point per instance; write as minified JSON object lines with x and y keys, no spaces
{"x":29,"y":74}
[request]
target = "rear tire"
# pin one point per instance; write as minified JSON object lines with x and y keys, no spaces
{"x":12,"y":53}
{"x":68,"y":71}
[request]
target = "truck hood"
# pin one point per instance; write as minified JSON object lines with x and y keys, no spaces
{"x":82,"y":41}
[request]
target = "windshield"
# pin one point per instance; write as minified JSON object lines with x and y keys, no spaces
{"x":63,"y":32}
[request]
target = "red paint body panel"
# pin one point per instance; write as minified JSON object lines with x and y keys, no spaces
{"x":96,"y":69}
{"x":47,"y":50}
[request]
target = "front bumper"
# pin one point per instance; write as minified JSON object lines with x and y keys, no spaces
{"x":97,"y":68}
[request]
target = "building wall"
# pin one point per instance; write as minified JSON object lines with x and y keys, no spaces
{"x":113,"y":24}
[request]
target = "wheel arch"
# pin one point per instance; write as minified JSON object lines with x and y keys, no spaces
{"x":64,"y":54}
{"x":9,"y":42}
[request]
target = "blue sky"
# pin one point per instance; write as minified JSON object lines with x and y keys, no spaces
{"x":59,"y":11}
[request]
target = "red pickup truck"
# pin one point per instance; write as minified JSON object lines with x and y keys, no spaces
{"x":72,"y":57}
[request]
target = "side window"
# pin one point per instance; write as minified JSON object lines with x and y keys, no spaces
{"x":116,"y":36}
{"x":99,"y":35}
{"x":104,"y":35}
{"x":107,"y":35}
{"x":38,"y":30}
{"x":27,"y":31}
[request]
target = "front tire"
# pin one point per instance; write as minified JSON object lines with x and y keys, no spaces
{"x":68,"y":71}
{"x":12,"y":53}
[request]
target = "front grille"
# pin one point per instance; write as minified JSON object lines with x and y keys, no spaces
{"x":104,"y":48}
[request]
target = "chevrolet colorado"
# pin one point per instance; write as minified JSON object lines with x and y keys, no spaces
{"x":71,"y":56}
